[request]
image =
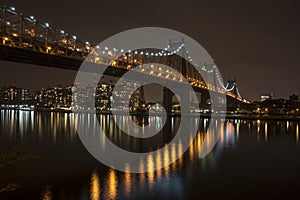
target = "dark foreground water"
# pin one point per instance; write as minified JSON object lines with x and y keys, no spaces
{"x":42,"y":157}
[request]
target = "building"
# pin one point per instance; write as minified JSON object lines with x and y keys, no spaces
{"x":264,"y":97}
{"x":15,"y":96}
{"x":136,"y":98}
{"x":54,"y":97}
{"x":91,"y":97}
{"x":103,"y":96}
{"x":294,"y":97}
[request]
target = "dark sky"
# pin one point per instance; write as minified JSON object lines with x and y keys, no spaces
{"x":256,"y":42}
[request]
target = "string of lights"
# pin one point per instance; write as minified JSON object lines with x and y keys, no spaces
{"x":87,"y":47}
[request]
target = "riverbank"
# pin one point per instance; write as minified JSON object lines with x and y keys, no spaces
{"x":202,"y":115}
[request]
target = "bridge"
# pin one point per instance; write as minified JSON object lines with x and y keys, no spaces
{"x":27,"y":40}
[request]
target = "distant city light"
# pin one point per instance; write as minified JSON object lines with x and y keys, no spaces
{"x":47,"y":24}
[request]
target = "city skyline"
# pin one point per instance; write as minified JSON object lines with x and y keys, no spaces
{"x":266,"y":64}
{"x":149,"y":99}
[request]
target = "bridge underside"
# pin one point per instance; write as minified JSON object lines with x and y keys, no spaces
{"x":48,"y":60}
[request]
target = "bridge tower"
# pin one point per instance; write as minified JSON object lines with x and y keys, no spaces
{"x":167,"y":93}
{"x":232,"y":83}
{"x":183,"y":63}
{"x":215,"y":79}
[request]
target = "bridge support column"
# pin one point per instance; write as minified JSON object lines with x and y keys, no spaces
{"x":167,"y":100}
{"x":204,"y":97}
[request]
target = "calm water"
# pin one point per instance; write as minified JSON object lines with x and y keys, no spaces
{"x":253,"y":159}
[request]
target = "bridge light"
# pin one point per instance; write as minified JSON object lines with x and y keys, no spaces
{"x":62,"y":31}
{"x":8,"y":23}
{"x":74,"y":37}
{"x":87,"y":43}
{"x":113,"y":63}
{"x":5,"y":38}
{"x":31,"y":17}
{"x":47,"y":25}
{"x":12,"y":8}
{"x":48,"y":49}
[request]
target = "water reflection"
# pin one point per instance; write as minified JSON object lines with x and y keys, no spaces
{"x":150,"y":167}
{"x":115,"y":185}
{"x":127,"y":180}
{"x":112,"y":189}
{"x":297,"y":132}
{"x":52,"y":130}
{"x":47,"y":194}
{"x":95,"y":187}
{"x":266,"y":131}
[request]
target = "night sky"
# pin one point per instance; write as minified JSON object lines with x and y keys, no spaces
{"x":256,"y":42}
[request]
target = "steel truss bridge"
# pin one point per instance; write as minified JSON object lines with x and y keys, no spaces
{"x":24,"y":39}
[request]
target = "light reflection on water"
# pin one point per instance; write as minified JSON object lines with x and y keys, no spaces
{"x":95,"y":186}
{"x":59,"y":129}
{"x":46,"y":193}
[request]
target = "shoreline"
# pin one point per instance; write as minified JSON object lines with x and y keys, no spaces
{"x":228,"y":116}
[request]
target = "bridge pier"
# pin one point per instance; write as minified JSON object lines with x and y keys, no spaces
{"x":205,"y":97}
{"x":167,"y":100}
